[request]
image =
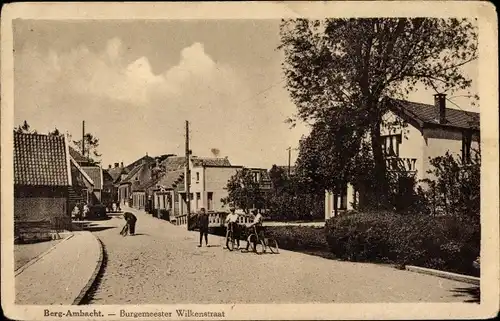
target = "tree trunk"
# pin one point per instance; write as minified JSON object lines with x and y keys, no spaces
{"x":335,"y":204}
{"x":381,"y":186}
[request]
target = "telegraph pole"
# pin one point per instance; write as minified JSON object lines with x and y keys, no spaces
{"x":289,"y":159}
{"x":188,"y":177}
{"x":83,"y":138}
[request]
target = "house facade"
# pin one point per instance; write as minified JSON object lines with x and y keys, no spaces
{"x":209,"y":178}
{"x":423,"y":132}
{"x":131,"y":181}
{"x":96,"y":175}
{"x":46,"y":179}
{"x":112,"y":176}
{"x":81,"y":190}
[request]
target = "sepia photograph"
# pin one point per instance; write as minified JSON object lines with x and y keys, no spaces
{"x":177,"y":162}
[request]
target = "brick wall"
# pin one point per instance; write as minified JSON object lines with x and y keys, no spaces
{"x":39,"y":208}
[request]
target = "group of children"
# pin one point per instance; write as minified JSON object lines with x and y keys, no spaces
{"x":232,"y":223}
{"x":80,"y":212}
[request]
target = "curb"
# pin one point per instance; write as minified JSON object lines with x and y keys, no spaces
{"x":34,"y":260}
{"x":92,"y":279}
{"x":447,"y":275}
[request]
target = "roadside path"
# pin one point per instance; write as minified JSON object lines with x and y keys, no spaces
{"x":60,"y":275}
{"x":162,"y":264}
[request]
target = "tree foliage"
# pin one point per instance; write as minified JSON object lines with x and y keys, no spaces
{"x":91,"y":147}
{"x":292,"y":198}
{"x":345,"y":67}
{"x":25,"y":128}
{"x":454,"y":186}
{"x":244,"y":192}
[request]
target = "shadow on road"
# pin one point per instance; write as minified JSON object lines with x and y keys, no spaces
{"x":471,"y":294}
{"x":98,"y":228}
{"x":104,"y":218}
{"x":140,"y":234}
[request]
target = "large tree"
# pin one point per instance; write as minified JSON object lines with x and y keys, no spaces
{"x":349,"y":65}
{"x":333,"y":146}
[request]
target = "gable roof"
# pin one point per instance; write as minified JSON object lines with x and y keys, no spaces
{"x":79,"y":158}
{"x":95,"y":173}
{"x":131,"y":174}
{"x":210,"y":162}
{"x":146,"y":159}
{"x":146,"y":185}
{"x":173,"y":163}
{"x":114,"y":173}
{"x":41,"y":160}
{"x":75,"y":169}
{"x":170,"y":178}
{"x":425,"y":114}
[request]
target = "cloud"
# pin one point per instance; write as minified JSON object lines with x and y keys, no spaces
{"x":126,"y":101}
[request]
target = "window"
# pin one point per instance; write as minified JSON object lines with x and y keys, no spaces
{"x":198,"y":197}
{"x":390,"y":145}
{"x":210,"y":196}
{"x":197,"y":177}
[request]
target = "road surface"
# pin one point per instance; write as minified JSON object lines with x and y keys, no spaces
{"x":162,"y":264}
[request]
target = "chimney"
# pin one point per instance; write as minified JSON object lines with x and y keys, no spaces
{"x":440,"y":104}
{"x":116,"y":165}
{"x":121,"y":165}
{"x":109,"y":166}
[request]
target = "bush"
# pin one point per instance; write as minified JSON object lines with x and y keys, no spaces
{"x":297,"y":237}
{"x":445,"y":243}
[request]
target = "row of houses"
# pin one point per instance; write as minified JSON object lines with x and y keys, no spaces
{"x":51,"y":177}
{"x":159,"y":183}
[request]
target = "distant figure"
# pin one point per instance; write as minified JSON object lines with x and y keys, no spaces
{"x":86,"y":211}
{"x":130,"y":225}
{"x":203,"y":225}
{"x":113,"y":207}
{"x":75,"y":213}
{"x":80,"y":211}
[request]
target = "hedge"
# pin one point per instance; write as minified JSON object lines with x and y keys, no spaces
{"x":444,"y":243}
{"x":297,"y":237}
{"x":289,"y":237}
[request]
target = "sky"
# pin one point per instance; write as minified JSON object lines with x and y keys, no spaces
{"x":136,"y":82}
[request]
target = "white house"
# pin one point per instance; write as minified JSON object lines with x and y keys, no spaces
{"x":429,"y":131}
{"x":209,"y":178}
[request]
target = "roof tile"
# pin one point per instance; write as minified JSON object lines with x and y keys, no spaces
{"x":40,"y":160}
{"x":428,"y":114}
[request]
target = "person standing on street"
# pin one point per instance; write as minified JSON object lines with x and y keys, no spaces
{"x":203,"y":225}
{"x":232,"y":224}
{"x":131,"y":220}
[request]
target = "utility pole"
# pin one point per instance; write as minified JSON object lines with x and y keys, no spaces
{"x":188,"y":177}
{"x":289,"y":159}
{"x":83,"y":138}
